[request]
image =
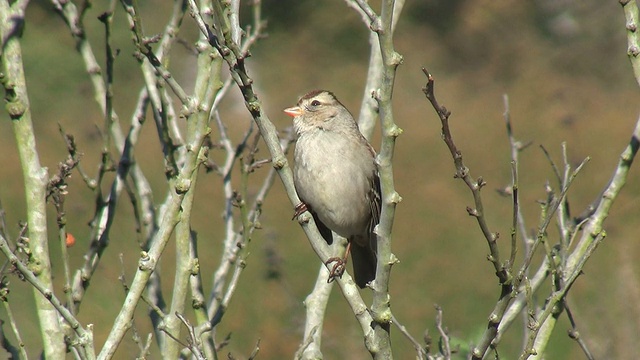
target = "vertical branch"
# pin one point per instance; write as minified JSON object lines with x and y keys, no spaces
{"x":229,"y":248}
{"x":316,"y":304}
{"x":206,"y":88}
{"x":381,"y":307}
{"x":183,"y":268}
{"x":382,"y":75}
{"x":564,"y":221}
{"x":369,"y":106}
{"x":196,"y":110}
{"x":35,"y":176}
{"x":517,"y":219}
{"x":198,"y":302}
{"x":631,"y":14}
{"x":107,"y":19}
{"x":172,"y":143}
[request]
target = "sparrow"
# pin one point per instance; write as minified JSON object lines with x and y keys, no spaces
{"x":336,"y":178}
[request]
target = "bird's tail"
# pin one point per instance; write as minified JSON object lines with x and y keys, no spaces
{"x":364,"y":262}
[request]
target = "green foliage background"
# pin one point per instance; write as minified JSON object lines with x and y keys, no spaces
{"x":564,"y":68}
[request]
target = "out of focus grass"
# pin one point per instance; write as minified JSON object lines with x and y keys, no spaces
{"x":567,"y":77}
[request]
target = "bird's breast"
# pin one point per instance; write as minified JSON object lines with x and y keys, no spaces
{"x":333,"y":176}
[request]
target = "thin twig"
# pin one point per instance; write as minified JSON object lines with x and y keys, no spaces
{"x":575,"y":335}
{"x":193,"y":343}
{"x":554,"y":299}
{"x":444,"y":336}
{"x":504,"y":274}
{"x":255,"y":351}
{"x":20,"y":351}
{"x":517,"y":218}
{"x":84,"y":339}
{"x":144,"y":46}
{"x":420,"y":352}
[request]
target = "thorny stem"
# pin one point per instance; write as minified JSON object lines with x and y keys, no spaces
{"x":503,"y":272}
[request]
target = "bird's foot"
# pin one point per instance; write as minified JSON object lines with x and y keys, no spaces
{"x":299,"y":209}
{"x":338,"y":268}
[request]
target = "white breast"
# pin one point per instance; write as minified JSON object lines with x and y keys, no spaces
{"x":328,"y":180}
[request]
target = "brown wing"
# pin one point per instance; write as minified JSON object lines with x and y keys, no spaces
{"x":375,"y":201}
{"x":326,"y":233}
{"x":364,"y":257}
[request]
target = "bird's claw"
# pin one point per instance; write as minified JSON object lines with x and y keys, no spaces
{"x":338,"y":268}
{"x":299,"y":209}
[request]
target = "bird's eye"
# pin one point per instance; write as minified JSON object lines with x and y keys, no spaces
{"x":315,"y":103}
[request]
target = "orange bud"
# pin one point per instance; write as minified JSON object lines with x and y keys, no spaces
{"x":70,"y":240}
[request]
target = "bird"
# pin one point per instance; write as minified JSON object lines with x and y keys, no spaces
{"x":336,"y":178}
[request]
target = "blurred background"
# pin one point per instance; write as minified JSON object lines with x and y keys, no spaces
{"x":563,"y":65}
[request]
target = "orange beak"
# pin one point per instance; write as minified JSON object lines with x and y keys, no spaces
{"x":294,"y":111}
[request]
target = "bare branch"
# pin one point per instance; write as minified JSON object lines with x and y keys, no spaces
{"x":420,"y":352}
{"x":631,"y":15}
{"x":575,"y":335}
{"x":84,"y":336}
{"x":193,"y":342}
{"x":316,"y":304}
{"x":381,"y":309}
{"x":443,"y":334}
{"x":517,"y":218}
{"x":35,"y":176}
{"x":503,"y":272}
{"x":19,"y":352}
{"x":369,"y":106}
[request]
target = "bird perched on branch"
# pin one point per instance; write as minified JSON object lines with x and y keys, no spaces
{"x":336,"y":178}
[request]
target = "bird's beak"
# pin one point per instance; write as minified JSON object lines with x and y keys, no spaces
{"x":294,"y":111}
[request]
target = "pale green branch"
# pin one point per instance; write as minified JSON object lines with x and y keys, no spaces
{"x":84,"y":340}
{"x":35,"y":176}
{"x":631,"y":14}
